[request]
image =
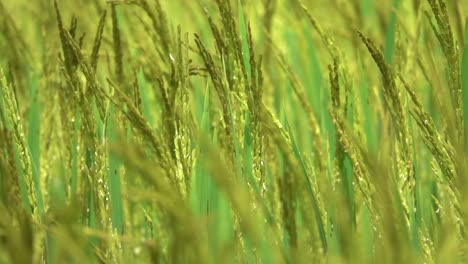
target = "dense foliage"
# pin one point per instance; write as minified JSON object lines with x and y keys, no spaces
{"x":229,"y":131}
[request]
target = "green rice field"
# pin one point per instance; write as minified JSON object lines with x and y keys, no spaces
{"x":234,"y":131}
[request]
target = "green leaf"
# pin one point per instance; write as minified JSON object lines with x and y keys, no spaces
{"x":244,"y":38}
{"x":389,"y":51}
{"x":311,"y":192}
{"x":114,"y":176}
{"x":464,"y":72}
{"x":34,"y":139}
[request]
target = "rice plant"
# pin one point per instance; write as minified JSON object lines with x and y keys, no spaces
{"x":233,"y":131}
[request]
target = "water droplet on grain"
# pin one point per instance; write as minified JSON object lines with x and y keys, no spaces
{"x":137,"y":251}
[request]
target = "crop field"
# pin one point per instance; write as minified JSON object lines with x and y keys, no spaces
{"x":233,"y":131}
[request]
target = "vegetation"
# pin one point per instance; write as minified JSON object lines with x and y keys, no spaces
{"x":213,"y":131}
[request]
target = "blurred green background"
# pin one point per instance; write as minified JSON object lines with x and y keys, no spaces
{"x":210,"y":131}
